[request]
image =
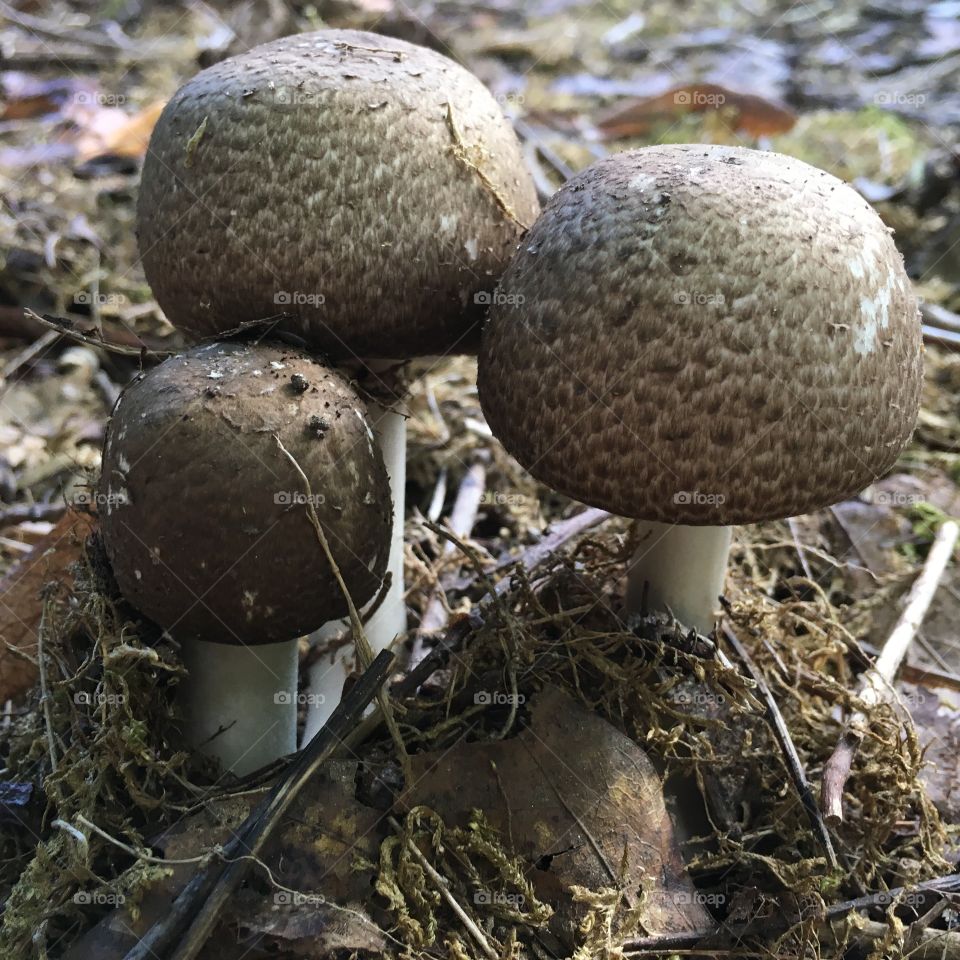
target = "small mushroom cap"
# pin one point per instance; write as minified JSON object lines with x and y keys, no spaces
{"x":704,"y":335}
{"x":205,"y":519}
{"x":369,"y":188}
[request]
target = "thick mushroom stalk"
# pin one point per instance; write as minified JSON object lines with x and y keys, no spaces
{"x":239,"y":704}
{"x":680,"y":569}
{"x":329,"y":672}
{"x":209,"y":527}
{"x":671,"y":345}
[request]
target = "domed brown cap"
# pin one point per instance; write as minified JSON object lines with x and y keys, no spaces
{"x":369,"y":188}
{"x":203,"y":516}
{"x":704,"y":335}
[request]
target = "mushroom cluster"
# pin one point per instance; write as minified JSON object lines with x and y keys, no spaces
{"x":204,"y":527}
{"x":698,"y":336}
{"x":358,"y":195}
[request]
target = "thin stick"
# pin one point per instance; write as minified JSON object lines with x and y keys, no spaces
{"x":442,"y":884}
{"x":44,"y":691}
{"x":790,"y":755}
{"x":194,"y":913}
{"x":705,"y":940}
{"x":364,"y":650}
{"x":65,"y":328}
{"x":31,"y":351}
{"x":876,"y":685}
{"x":801,"y":553}
{"x":462,"y":518}
{"x":556,"y":535}
{"x":137,"y":854}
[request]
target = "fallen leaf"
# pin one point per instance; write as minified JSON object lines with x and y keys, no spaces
{"x":744,"y":112}
{"x":115,"y":133}
{"x":579,"y":802}
{"x":21,"y":604}
{"x":313,"y":855}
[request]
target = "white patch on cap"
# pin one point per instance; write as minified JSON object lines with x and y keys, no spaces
{"x":448,"y":221}
{"x":472,"y":247}
{"x":875,"y":313}
{"x":644,"y":181}
{"x":868,"y":262}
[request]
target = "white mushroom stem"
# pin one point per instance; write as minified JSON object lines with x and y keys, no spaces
{"x":328,"y":674}
{"x":240,"y":703}
{"x":684,"y":568}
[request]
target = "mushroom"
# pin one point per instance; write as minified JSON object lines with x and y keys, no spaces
{"x":362,"y":193}
{"x":698,"y":336}
{"x":205,"y":523}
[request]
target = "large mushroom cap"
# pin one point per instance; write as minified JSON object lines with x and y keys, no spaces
{"x":367,"y":187}
{"x":205,"y":519}
{"x":704,"y":335}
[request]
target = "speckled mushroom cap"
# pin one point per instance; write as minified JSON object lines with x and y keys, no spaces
{"x":704,"y":335}
{"x":369,"y":188}
{"x":204,"y":518}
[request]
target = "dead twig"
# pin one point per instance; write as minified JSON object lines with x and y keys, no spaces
{"x":364,"y":650}
{"x":708,"y":941}
{"x":556,"y":535}
{"x":791,"y":757}
{"x":21,"y":512}
{"x":877,"y":682}
{"x":67,"y":329}
{"x":462,"y":518}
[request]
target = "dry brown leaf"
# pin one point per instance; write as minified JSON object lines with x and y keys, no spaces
{"x":21,"y":604}
{"x":744,"y":112}
{"x":579,"y":802}
{"x":319,"y":913}
{"x":113,"y":132}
